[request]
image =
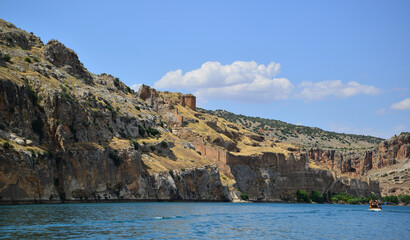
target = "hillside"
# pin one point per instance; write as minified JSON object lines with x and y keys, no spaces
{"x":305,"y":137}
{"x":67,"y":134}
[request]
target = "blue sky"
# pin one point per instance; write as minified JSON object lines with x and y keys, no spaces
{"x":342,"y":66}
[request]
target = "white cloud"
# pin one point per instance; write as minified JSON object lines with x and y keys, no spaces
{"x":253,"y":82}
{"x":261,"y":89}
{"x":243,"y":81}
{"x":335,"y":88}
{"x":403,"y":105}
{"x":136,"y":86}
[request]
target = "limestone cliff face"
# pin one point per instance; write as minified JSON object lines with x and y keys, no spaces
{"x":389,"y":158}
{"x":388,"y":153}
{"x":201,"y":184}
{"x":82,"y":165}
{"x":65,"y":58}
{"x":393,"y":150}
{"x":273,"y":177}
{"x":68,"y":134}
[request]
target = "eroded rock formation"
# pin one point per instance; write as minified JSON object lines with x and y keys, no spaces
{"x":68,"y":134}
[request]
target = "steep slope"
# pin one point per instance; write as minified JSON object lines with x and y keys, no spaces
{"x":68,"y":134}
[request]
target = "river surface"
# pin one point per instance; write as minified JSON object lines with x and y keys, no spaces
{"x":202,"y":221}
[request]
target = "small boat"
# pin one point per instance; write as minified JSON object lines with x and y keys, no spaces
{"x":374,"y":205}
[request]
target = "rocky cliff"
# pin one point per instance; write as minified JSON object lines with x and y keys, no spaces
{"x":68,"y":134}
{"x":387,"y":163}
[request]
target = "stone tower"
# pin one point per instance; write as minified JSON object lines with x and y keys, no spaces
{"x":189,"y":100}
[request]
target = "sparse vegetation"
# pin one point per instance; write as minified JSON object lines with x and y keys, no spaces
{"x":391,"y":199}
{"x":115,"y":157}
{"x":7,"y":146}
{"x":164,"y":144}
{"x":244,"y":196}
{"x":141,"y":130}
{"x":350,"y":199}
{"x":65,"y":95}
{"x":27,"y":59}
{"x":6,"y":58}
{"x":117,"y":82}
{"x":152,"y":131}
{"x":309,"y":136}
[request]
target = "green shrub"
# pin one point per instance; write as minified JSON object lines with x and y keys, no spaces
{"x":152,"y":147}
{"x":138,"y":108}
{"x":152,"y":131}
{"x":164,"y":144}
{"x":109,"y":107}
{"x":65,"y":95}
{"x":116,"y":159}
{"x":342,"y":197}
{"x":141,"y":130}
{"x":27,"y":59}
{"x":35,"y":59}
{"x":244,"y":196}
{"x":353,"y":200}
{"x":392,"y":199}
{"x":302,"y":196}
{"x":136,"y":145}
{"x":33,"y":94}
{"x":374,"y":197}
{"x":117,"y":82}
{"x":183,"y":169}
{"x":6,"y":58}
{"x":316,"y":196}
{"x":404,"y":199}
{"x":7,"y":145}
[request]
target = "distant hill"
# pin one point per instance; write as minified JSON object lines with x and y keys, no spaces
{"x":305,"y":137}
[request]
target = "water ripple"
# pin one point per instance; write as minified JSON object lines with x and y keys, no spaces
{"x":202,"y":221}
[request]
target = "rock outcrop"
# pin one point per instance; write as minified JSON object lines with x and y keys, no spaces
{"x":65,"y":58}
{"x":388,"y":158}
{"x":67,"y":134}
{"x":273,"y":177}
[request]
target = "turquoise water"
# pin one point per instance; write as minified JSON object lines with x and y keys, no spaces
{"x":203,"y":221}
